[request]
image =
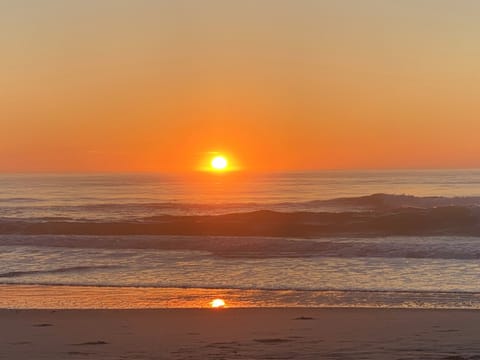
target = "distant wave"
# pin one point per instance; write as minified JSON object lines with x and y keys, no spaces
{"x":12,"y":274}
{"x":374,"y":202}
{"x":19,"y":200}
{"x":393,"y":201}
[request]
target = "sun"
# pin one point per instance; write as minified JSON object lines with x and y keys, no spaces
{"x":217,"y":303}
{"x":219,"y":163}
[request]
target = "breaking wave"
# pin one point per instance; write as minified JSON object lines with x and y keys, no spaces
{"x":95,"y":209}
{"x":421,"y":221}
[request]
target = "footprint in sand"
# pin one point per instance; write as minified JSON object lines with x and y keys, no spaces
{"x":272,"y":340}
{"x":20,"y":343}
{"x":89,"y":343}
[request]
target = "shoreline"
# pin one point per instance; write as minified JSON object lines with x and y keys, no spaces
{"x":273,"y":333}
{"x":67,"y":297}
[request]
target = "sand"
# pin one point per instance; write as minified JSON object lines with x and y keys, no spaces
{"x":291,"y":333}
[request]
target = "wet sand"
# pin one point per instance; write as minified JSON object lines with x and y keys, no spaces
{"x":257,"y":333}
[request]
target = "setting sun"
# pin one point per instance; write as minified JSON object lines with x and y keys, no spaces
{"x":217,"y":303}
{"x":219,"y":163}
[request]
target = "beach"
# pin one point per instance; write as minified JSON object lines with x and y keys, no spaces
{"x":218,"y":180}
{"x":338,"y":270}
{"x":257,"y":333}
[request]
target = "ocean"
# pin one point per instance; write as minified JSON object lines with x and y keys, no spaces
{"x":390,"y":239}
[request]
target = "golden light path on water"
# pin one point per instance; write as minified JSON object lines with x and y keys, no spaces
{"x":90,"y":297}
{"x":217,"y":303}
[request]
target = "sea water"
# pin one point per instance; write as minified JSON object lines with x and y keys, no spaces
{"x":65,"y":265}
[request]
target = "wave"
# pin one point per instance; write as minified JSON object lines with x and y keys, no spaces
{"x":251,"y":288}
{"x":462,"y":248}
{"x":444,"y":220}
{"x":12,"y":274}
{"x":19,"y":200}
{"x":60,"y":295}
{"x":393,"y":201}
{"x":379,"y":201}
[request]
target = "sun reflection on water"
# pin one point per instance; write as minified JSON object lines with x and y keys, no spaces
{"x":217,"y":303}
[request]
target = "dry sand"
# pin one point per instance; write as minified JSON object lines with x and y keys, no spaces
{"x":291,"y":333}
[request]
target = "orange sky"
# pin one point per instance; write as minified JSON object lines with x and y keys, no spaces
{"x":281,"y":85}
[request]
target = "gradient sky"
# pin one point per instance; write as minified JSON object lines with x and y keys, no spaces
{"x":139,"y":85}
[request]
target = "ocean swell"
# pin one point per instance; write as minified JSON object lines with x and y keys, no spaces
{"x":448,"y":220}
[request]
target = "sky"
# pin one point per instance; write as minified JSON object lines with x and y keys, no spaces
{"x":117,"y":85}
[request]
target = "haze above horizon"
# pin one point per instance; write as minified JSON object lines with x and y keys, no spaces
{"x":123,"y":86}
